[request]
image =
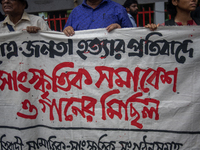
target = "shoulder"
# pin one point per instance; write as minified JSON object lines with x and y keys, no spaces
{"x":117,"y":8}
{"x":76,"y":11}
{"x":35,"y":17}
{"x":78,"y":7}
{"x":38,"y":21}
{"x":115,"y":4}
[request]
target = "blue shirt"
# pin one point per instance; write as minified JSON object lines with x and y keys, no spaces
{"x":84,"y":17}
{"x":132,"y":20}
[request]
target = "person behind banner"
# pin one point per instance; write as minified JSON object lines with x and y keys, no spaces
{"x":93,"y":14}
{"x":17,"y":19}
{"x":132,"y":10}
{"x":180,"y":12}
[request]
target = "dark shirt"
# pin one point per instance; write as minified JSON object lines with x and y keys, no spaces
{"x":84,"y":17}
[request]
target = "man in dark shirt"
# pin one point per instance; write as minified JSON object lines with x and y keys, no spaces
{"x":93,"y":14}
{"x":132,"y":10}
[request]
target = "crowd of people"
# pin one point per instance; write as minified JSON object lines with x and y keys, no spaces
{"x":93,"y":14}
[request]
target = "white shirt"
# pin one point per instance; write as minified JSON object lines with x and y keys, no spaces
{"x":26,"y":20}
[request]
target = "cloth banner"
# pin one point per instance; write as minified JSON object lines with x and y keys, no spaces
{"x":131,"y":89}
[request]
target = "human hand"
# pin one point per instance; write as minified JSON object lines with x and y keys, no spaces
{"x":152,"y":26}
{"x":32,"y":29}
{"x":69,"y":31}
{"x":113,"y":26}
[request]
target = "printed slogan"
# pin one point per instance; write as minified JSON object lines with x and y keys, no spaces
{"x":129,"y":89}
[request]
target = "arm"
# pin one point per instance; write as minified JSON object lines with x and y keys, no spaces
{"x":113,"y":26}
{"x":37,"y":23}
{"x":68,"y":29}
{"x":123,"y":19}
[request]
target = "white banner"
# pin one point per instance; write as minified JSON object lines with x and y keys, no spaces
{"x":131,"y":89}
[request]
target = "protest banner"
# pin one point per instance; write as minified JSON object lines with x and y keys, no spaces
{"x":131,"y":89}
